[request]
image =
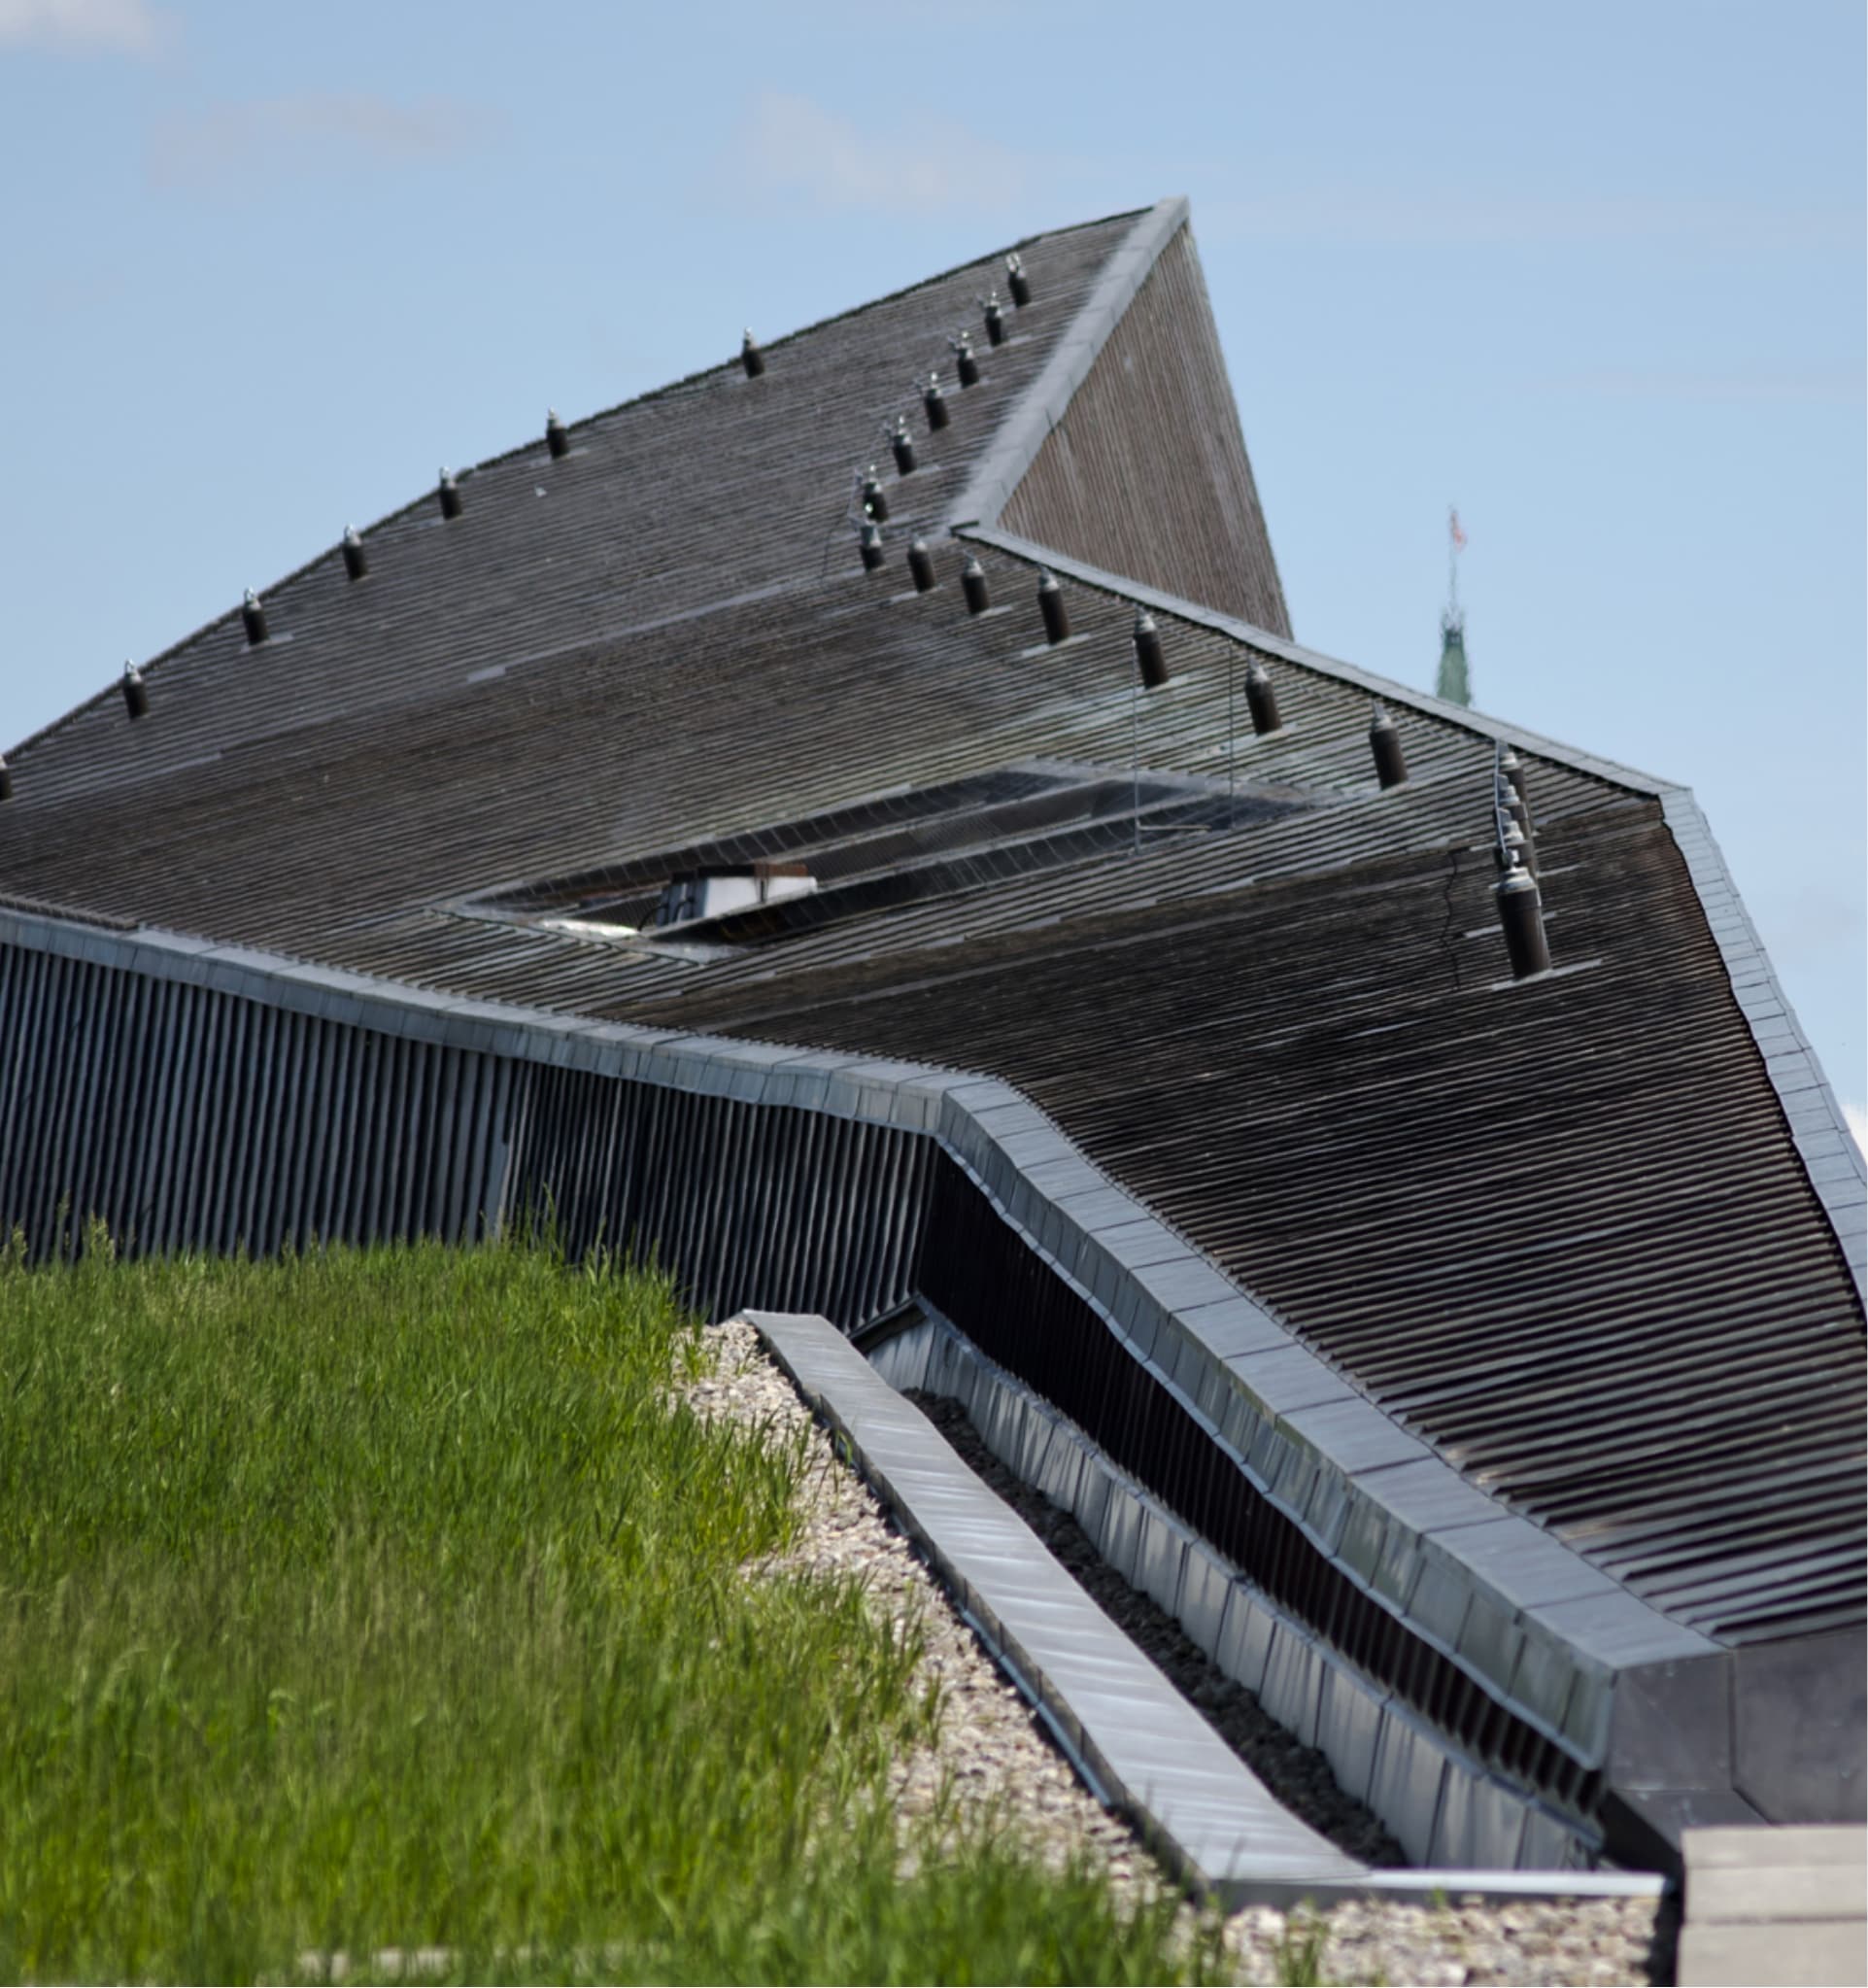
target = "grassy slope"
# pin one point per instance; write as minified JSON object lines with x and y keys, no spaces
{"x":380,"y":1600}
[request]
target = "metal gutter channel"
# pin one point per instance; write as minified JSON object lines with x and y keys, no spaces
{"x":1138,"y":1745}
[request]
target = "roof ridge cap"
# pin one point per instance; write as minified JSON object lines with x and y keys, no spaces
{"x":1041,"y":405}
{"x":1157,"y":598}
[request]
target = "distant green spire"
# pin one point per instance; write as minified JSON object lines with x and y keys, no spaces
{"x":1453,"y":683}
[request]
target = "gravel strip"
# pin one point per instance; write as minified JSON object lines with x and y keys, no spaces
{"x":990,"y":1746}
{"x":992,"y":1750}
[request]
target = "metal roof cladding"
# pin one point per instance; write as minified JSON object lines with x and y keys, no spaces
{"x":1596,"y":1234}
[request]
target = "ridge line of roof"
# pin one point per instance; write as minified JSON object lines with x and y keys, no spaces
{"x":1813,"y":1116}
{"x":1157,"y":598}
{"x":1041,"y":405}
{"x":402,"y":510}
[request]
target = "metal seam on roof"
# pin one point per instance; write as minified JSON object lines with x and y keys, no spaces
{"x":1041,"y":404}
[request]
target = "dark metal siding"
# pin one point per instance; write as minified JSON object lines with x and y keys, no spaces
{"x":186,"y":1118}
{"x":1146,"y":475}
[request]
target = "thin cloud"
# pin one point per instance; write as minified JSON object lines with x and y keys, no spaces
{"x":86,"y":27}
{"x":1828,"y":385}
{"x":228,"y":147}
{"x":1426,"y":217}
{"x":789,"y":151}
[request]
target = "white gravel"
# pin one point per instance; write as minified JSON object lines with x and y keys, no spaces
{"x":992,"y":1750}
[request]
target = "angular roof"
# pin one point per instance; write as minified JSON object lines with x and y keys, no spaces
{"x":1596,"y":1236}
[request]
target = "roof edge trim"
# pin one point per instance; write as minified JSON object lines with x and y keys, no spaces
{"x":663,"y":389}
{"x":1817,"y":1130}
{"x":1158,"y":600}
{"x":1042,"y":404}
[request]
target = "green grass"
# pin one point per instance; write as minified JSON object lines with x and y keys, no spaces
{"x":387,"y":1601}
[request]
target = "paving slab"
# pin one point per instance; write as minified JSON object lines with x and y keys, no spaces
{"x":1775,"y":1905}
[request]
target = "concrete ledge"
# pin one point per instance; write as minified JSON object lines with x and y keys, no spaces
{"x":1775,"y":1905}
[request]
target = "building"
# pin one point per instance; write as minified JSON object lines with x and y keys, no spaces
{"x":949,"y":900}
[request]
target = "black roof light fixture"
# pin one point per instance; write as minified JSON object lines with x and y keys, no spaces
{"x":872,"y":499}
{"x":357,"y":561}
{"x":1017,"y":282}
{"x":136,"y":692}
{"x":994,"y":321}
{"x":1261,"y":699}
{"x":1384,"y":744}
{"x":965,"y":364}
{"x":1050,"y":604}
{"x":1150,"y":658}
{"x":935,"y":402}
{"x":252,"y":618}
{"x":1509,"y":805}
{"x":558,"y":437}
{"x":869,"y":545}
{"x":750,"y":355}
{"x":1520,"y":916}
{"x":972,"y":584}
{"x":1510,"y":848}
{"x":902,"y":445}
{"x":6,"y":780}
{"x":448,"y":493}
{"x":1513,"y":767}
{"x":921,"y":568}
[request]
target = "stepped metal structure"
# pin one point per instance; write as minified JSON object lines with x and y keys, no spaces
{"x":1352,"y":1150}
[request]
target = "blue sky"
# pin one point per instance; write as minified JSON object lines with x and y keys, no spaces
{"x":1594,"y":272}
